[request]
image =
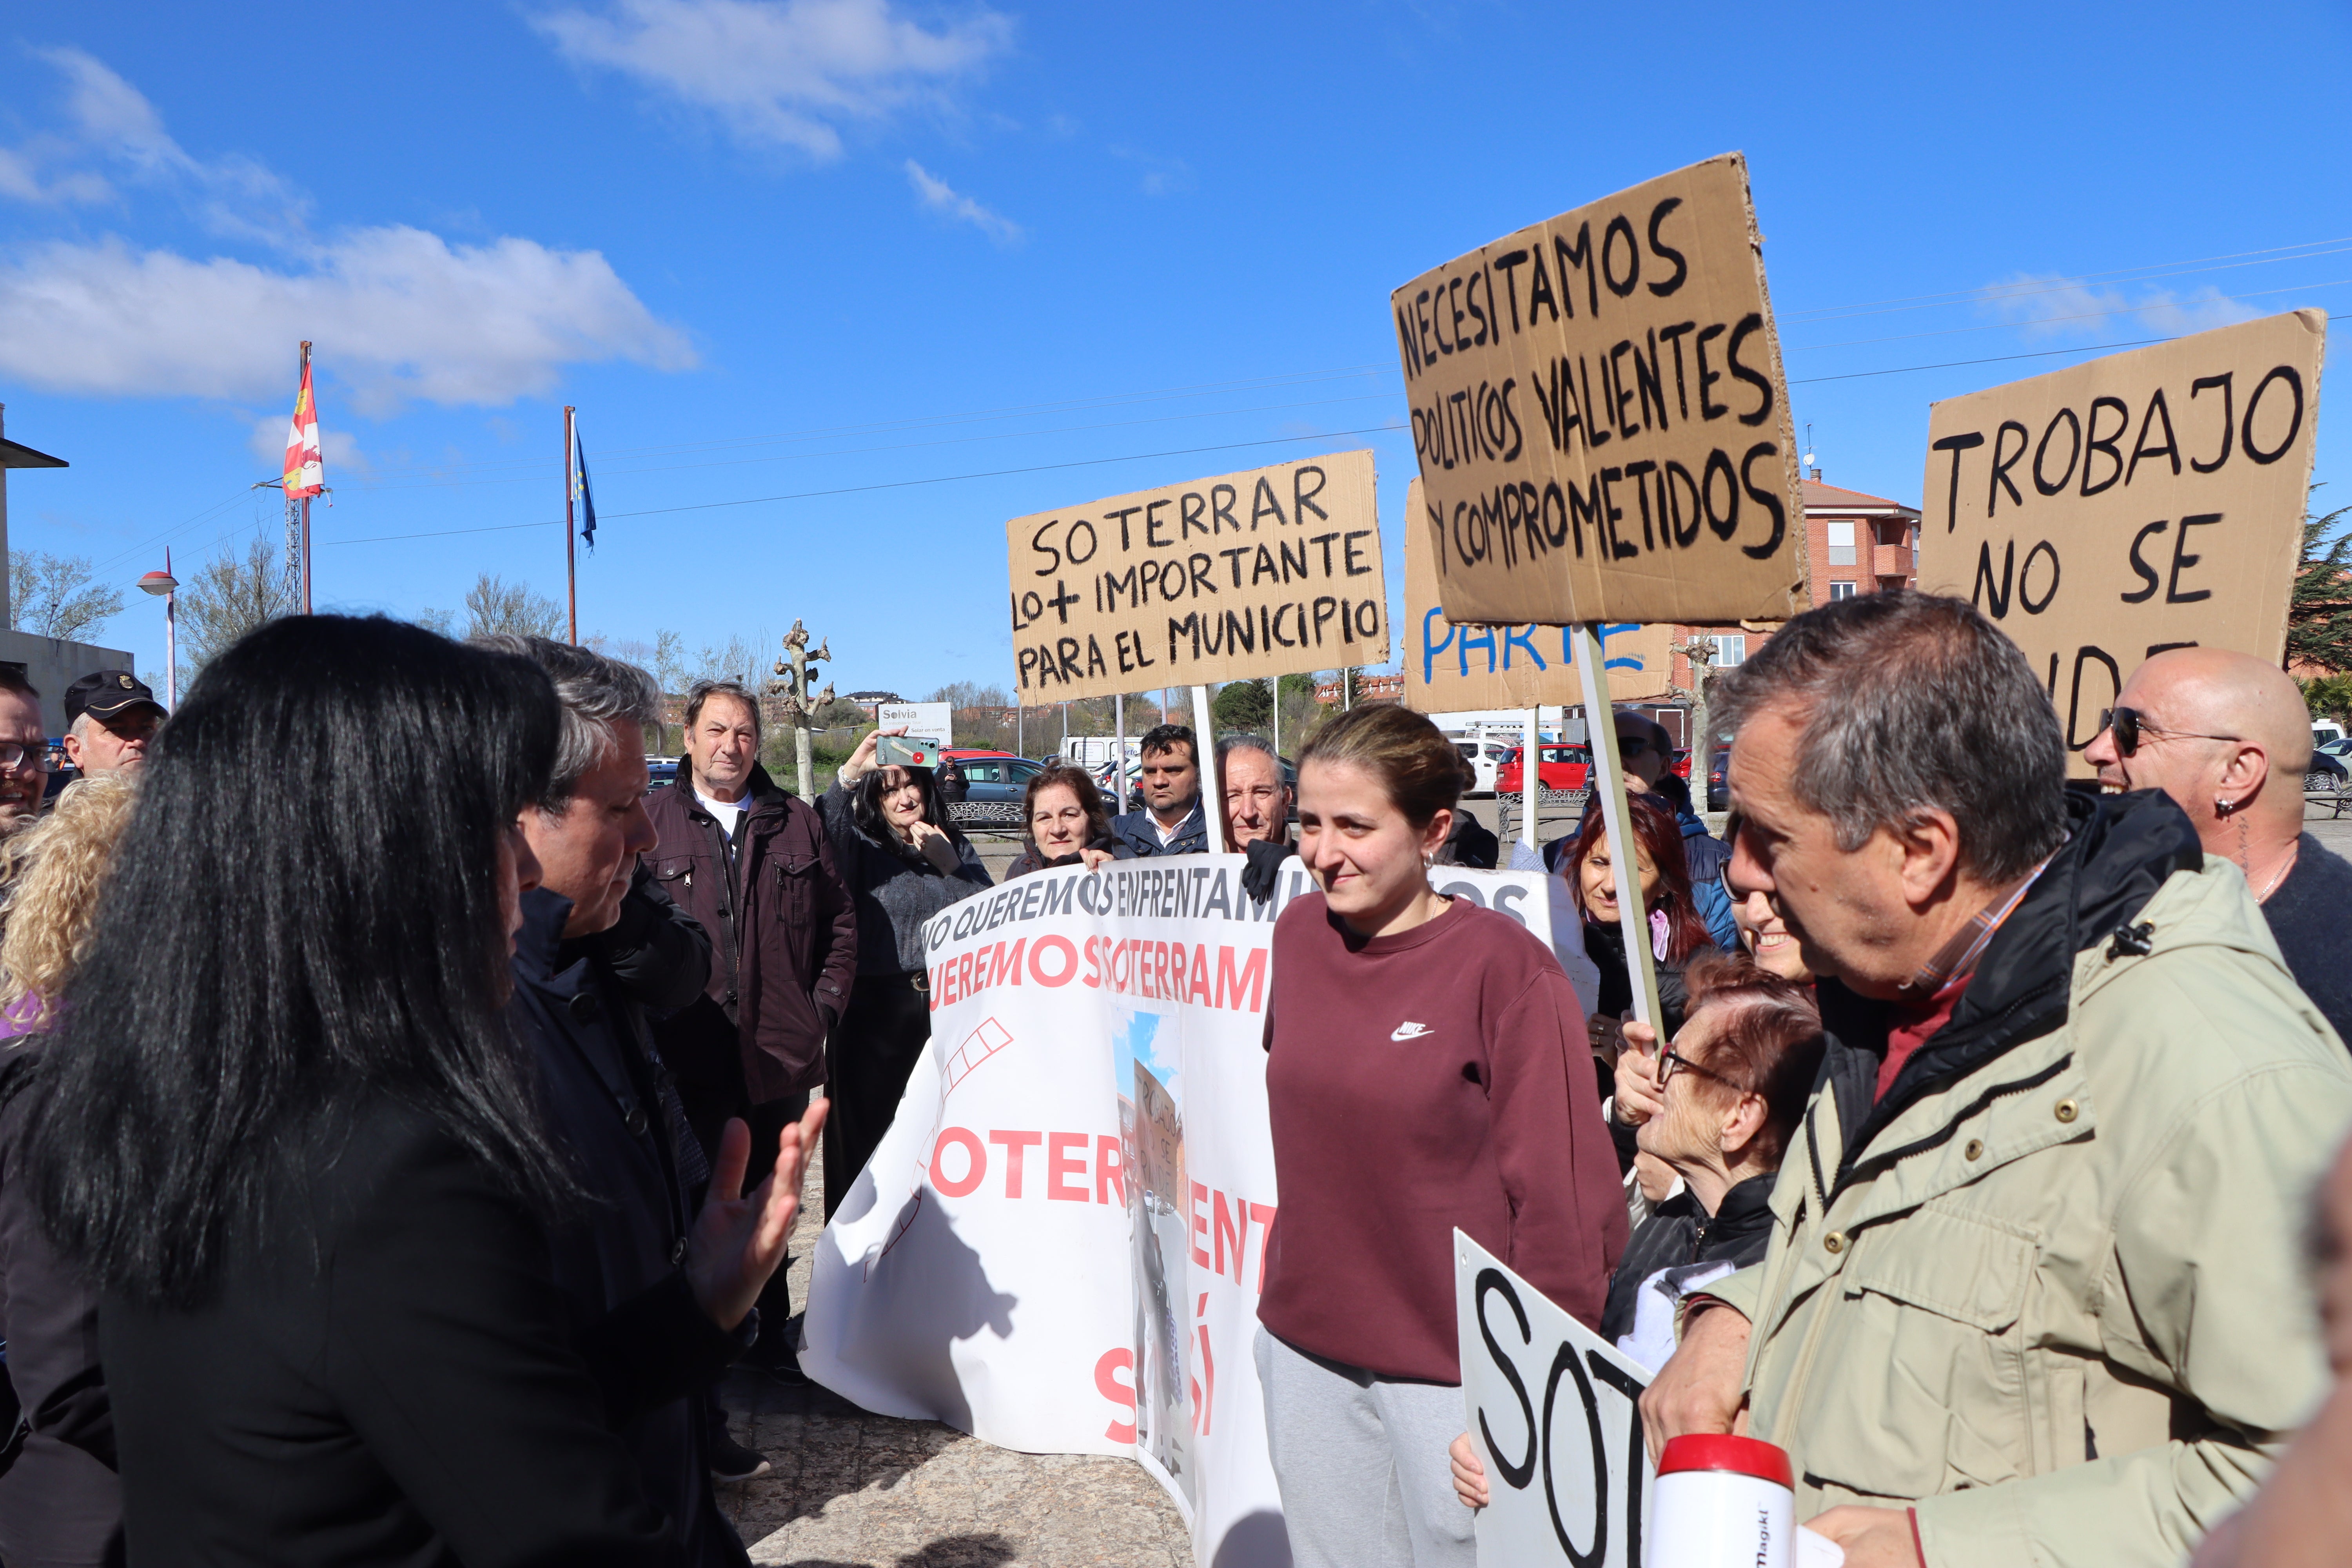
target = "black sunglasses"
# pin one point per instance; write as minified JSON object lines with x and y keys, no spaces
{"x":2129,"y":727}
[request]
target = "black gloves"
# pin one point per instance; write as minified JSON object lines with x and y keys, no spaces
{"x":1265,"y":859}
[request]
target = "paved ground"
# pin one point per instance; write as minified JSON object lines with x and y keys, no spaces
{"x":854,"y":1489}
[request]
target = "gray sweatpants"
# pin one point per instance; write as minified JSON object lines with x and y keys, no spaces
{"x":1362,"y":1464}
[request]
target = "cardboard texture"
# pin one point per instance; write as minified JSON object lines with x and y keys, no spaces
{"x":2145,"y":500}
{"x":1268,"y":572}
{"x":1451,"y":668}
{"x":1601,"y":415}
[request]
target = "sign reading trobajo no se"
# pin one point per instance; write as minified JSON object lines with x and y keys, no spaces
{"x":2142,"y":501}
{"x":1601,"y":415}
{"x":1268,"y":572}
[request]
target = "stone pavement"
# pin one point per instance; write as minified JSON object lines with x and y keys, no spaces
{"x":851,"y":1489}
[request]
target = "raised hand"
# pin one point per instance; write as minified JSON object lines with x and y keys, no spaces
{"x":1637,"y":1076}
{"x":738,"y":1239}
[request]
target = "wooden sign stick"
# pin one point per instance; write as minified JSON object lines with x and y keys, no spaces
{"x":1608,"y":779}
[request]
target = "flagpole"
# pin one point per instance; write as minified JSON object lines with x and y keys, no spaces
{"x":571,"y":581}
{"x":305,"y":499}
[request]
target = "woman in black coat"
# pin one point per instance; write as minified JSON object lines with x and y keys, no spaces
{"x":286,"y":1134}
{"x":904,"y":862}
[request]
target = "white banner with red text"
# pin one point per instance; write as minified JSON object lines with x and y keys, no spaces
{"x":1059,"y":1245}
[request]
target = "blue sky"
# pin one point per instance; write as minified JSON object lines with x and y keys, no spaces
{"x":824,"y":246}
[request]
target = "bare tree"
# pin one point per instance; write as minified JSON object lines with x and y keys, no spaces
{"x":962,"y":694}
{"x":730,"y":660}
{"x":229,"y":597}
{"x":53,"y":596}
{"x":493,"y":605}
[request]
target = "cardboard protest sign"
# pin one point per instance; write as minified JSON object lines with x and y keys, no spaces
{"x":1452,"y":669}
{"x":1060,"y":1243}
{"x":1551,"y":1408}
{"x":2145,"y":500}
{"x":1602,"y":418}
{"x":1269,"y":571}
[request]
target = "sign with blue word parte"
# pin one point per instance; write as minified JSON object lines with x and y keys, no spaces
{"x":1454,"y":668}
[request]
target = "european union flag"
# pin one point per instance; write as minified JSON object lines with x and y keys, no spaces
{"x":587,"y":500}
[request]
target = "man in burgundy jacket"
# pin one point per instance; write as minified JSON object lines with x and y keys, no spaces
{"x":750,"y":860}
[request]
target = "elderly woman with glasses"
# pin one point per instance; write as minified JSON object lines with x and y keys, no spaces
{"x":1719,"y":1106}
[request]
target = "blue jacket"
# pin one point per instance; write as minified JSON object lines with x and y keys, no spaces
{"x":1707,"y":857}
{"x":1139,"y":839}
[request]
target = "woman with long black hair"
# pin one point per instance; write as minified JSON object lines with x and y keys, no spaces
{"x":904,"y":862}
{"x":289,"y":1140}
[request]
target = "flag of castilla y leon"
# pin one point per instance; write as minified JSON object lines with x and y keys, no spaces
{"x":305,"y":474}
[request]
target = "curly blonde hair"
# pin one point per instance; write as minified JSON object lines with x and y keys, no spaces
{"x":53,"y":871}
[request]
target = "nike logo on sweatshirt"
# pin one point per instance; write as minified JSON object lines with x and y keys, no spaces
{"x":1409,"y":1031}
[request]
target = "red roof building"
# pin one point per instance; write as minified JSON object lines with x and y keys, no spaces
{"x":1858,"y":544}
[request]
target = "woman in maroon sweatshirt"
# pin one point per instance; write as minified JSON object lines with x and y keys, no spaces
{"x":1427,"y":1068}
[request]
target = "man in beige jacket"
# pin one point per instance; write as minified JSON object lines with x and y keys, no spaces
{"x":2033,"y":1293}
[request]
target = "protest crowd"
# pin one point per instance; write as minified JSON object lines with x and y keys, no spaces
{"x":391,"y":1175}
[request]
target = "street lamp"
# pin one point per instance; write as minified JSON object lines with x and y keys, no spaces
{"x":164,"y":582}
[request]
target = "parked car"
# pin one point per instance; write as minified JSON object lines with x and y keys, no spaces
{"x":662,"y":770}
{"x":1718,"y":778}
{"x":1562,"y":768}
{"x":1485,"y":753}
{"x":2340,"y":748}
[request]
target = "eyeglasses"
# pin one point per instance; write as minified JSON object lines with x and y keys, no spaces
{"x":1631,"y":745}
{"x":1670,"y":1059}
{"x":2129,"y":727}
{"x":12,"y":754}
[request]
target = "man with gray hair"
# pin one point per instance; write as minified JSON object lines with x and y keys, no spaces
{"x":2032,"y":1292}
{"x":600,"y":946}
{"x":750,"y":862}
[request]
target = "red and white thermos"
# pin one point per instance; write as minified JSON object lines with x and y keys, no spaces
{"x":1726,"y":1502}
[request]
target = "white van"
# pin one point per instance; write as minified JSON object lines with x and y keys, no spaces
{"x":2326,"y":731}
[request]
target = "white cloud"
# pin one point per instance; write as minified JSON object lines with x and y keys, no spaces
{"x":109,"y":123}
{"x":2054,"y":306}
{"x":939,"y":196}
{"x":778,"y":72}
{"x":338,"y":449}
{"x":397,"y":314}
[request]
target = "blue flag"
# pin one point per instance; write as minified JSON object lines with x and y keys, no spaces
{"x":587,"y":500}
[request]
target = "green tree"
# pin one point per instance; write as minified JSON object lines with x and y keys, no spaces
{"x":230,"y":596}
{"x":53,"y":596}
{"x":2329,"y":696}
{"x":1243,"y":705}
{"x":2319,"y":610}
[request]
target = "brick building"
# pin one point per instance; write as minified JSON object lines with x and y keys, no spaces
{"x":1858,"y":544}
{"x":1854,"y":543}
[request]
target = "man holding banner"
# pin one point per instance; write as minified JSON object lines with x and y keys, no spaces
{"x":2030,"y":1295}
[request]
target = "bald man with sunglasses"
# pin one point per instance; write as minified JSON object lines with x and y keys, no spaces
{"x":2228,"y":737}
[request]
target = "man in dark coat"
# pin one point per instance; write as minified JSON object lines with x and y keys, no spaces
{"x":750,"y":862}
{"x":1172,"y":820}
{"x":600,"y":944}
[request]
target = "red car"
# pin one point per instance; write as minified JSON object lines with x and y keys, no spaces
{"x":1565,"y":767}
